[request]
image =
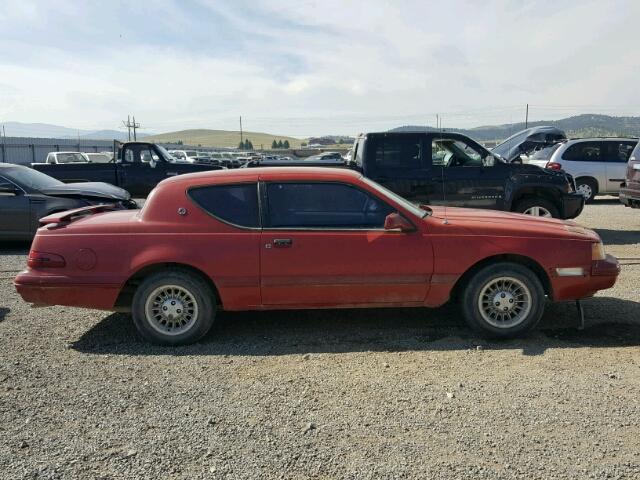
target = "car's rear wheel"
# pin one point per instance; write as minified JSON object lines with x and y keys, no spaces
{"x":503,"y":300}
{"x":173,"y":308}
{"x":587,"y":187}
{"x":537,"y":207}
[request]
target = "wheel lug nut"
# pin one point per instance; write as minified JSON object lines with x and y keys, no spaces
{"x":173,"y":302}
{"x":506,"y":308}
{"x":502,"y":295}
{"x":511,"y":300}
{"x":164,"y":308}
{"x":497,"y":304}
{"x":178,"y":311}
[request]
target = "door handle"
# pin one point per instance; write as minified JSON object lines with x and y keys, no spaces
{"x":282,"y":242}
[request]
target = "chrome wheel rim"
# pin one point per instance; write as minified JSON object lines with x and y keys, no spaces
{"x":585,"y":190}
{"x":537,"y":211}
{"x":171,"y":310}
{"x":504,"y":302}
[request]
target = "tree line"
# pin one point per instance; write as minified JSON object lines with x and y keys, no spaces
{"x":280,"y":144}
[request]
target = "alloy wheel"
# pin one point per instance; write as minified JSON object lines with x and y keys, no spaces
{"x":171,"y":309}
{"x":504,"y":302}
{"x":538,"y":211}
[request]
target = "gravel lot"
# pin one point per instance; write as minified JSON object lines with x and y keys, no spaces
{"x":327,"y":394}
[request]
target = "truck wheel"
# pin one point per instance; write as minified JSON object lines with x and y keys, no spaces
{"x":587,"y":187}
{"x":173,"y":308}
{"x":538,"y":207}
{"x":503,"y":300}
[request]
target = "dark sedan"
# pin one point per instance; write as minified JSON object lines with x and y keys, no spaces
{"x":27,"y":195}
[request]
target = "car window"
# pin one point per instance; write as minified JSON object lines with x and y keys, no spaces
{"x":448,"y":152}
{"x":619,"y":152}
{"x":545,"y":153}
{"x":147,"y":154}
{"x":236,"y":204}
{"x":397,"y":152}
{"x":585,"y":152}
{"x":324,"y":205}
{"x":4,"y":183}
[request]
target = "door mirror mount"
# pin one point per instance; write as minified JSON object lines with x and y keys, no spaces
{"x":395,"y":221}
{"x":489,"y":161}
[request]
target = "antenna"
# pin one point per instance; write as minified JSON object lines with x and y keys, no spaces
{"x":444,"y":190}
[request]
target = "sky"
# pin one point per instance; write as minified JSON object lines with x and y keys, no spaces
{"x":310,"y":67}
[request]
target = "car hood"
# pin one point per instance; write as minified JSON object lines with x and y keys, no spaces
{"x":509,"y":223}
{"x":88,"y":189}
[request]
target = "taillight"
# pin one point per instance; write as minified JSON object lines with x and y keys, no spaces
{"x":45,"y":260}
{"x":554,"y":166}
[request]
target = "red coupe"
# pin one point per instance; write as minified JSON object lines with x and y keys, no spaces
{"x":305,"y":237}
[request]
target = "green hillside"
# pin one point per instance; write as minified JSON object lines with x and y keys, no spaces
{"x":221,"y":138}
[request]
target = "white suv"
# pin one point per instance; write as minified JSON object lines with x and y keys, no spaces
{"x":598,"y":165}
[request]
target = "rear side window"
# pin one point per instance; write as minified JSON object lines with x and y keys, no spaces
{"x":619,"y":152}
{"x":398,"y":152}
{"x":235,"y":204}
{"x":324,"y":205}
{"x":586,"y":152}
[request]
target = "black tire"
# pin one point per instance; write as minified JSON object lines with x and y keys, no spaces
{"x":586,"y":184}
{"x":541,"y":203}
{"x":185,"y":290}
{"x":474,"y":294}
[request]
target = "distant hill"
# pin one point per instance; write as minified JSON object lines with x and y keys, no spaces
{"x":47,"y":130}
{"x":587,"y":125}
{"x":221,"y":138}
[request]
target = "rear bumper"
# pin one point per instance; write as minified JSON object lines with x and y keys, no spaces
{"x":630,"y":197}
{"x":571,"y":205}
{"x":603,"y":275}
{"x":45,"y":289}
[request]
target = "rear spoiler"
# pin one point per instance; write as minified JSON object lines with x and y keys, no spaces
{"x":64,"y":218}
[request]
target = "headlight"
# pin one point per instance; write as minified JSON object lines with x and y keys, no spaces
{"x":597,"y":251}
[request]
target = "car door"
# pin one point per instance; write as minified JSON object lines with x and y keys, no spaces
{"x":466,"y":180}
{"x":141,"y":169}
{"x":15,"y":212}
{"x":324,"y":245}
{"x":617,"y":157}
{"x":399,"y":162}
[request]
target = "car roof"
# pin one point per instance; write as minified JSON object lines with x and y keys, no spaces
{"x":601,"y":139}
{"x":265,"y":173}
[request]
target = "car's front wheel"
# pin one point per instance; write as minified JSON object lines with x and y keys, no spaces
{"x":537,"y":207}
{"x":173,"y":308}
{"x":503,"y":300}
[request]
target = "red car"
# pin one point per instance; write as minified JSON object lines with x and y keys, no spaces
{"x":292,"y":238}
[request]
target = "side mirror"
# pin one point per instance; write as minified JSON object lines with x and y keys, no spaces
{"x":489,"y":161}
{"x":9,"y":190}
{"x":395,"y":221}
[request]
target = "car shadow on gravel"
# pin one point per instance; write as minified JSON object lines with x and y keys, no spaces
{"x":15,"y":248}
{"x":619,"y":237}
{"x":341,"y":331}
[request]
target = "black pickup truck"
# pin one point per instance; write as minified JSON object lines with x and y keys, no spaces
{"x":137,"y":167}
{"x":446,"y":168}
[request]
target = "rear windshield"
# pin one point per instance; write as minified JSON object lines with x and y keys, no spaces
{"x":545,"y":153}
{"x":71,"y":158}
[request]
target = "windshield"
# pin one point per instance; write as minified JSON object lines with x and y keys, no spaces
{"x":396,"y":198}
{"x":29,"y":178}
{"x":71,"y":158}
{"x":165,"y":153}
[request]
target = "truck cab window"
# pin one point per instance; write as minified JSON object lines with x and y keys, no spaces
{"x":401,"y":152}
{"x":447,"y":152}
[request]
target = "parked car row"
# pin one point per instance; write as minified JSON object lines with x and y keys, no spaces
{"x":381,"y":230}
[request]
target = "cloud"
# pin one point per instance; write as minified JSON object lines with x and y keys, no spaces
{"x":307,"y":68}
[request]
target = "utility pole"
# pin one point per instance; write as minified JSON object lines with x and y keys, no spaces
{"x":131,"y":125}
{"x":135,"y":125}
{"x":526,"y":118}
{"x":4,"y":145}
{"x":241,"y":129}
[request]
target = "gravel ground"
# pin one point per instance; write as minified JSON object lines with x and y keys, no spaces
{"x":327,"y":394}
